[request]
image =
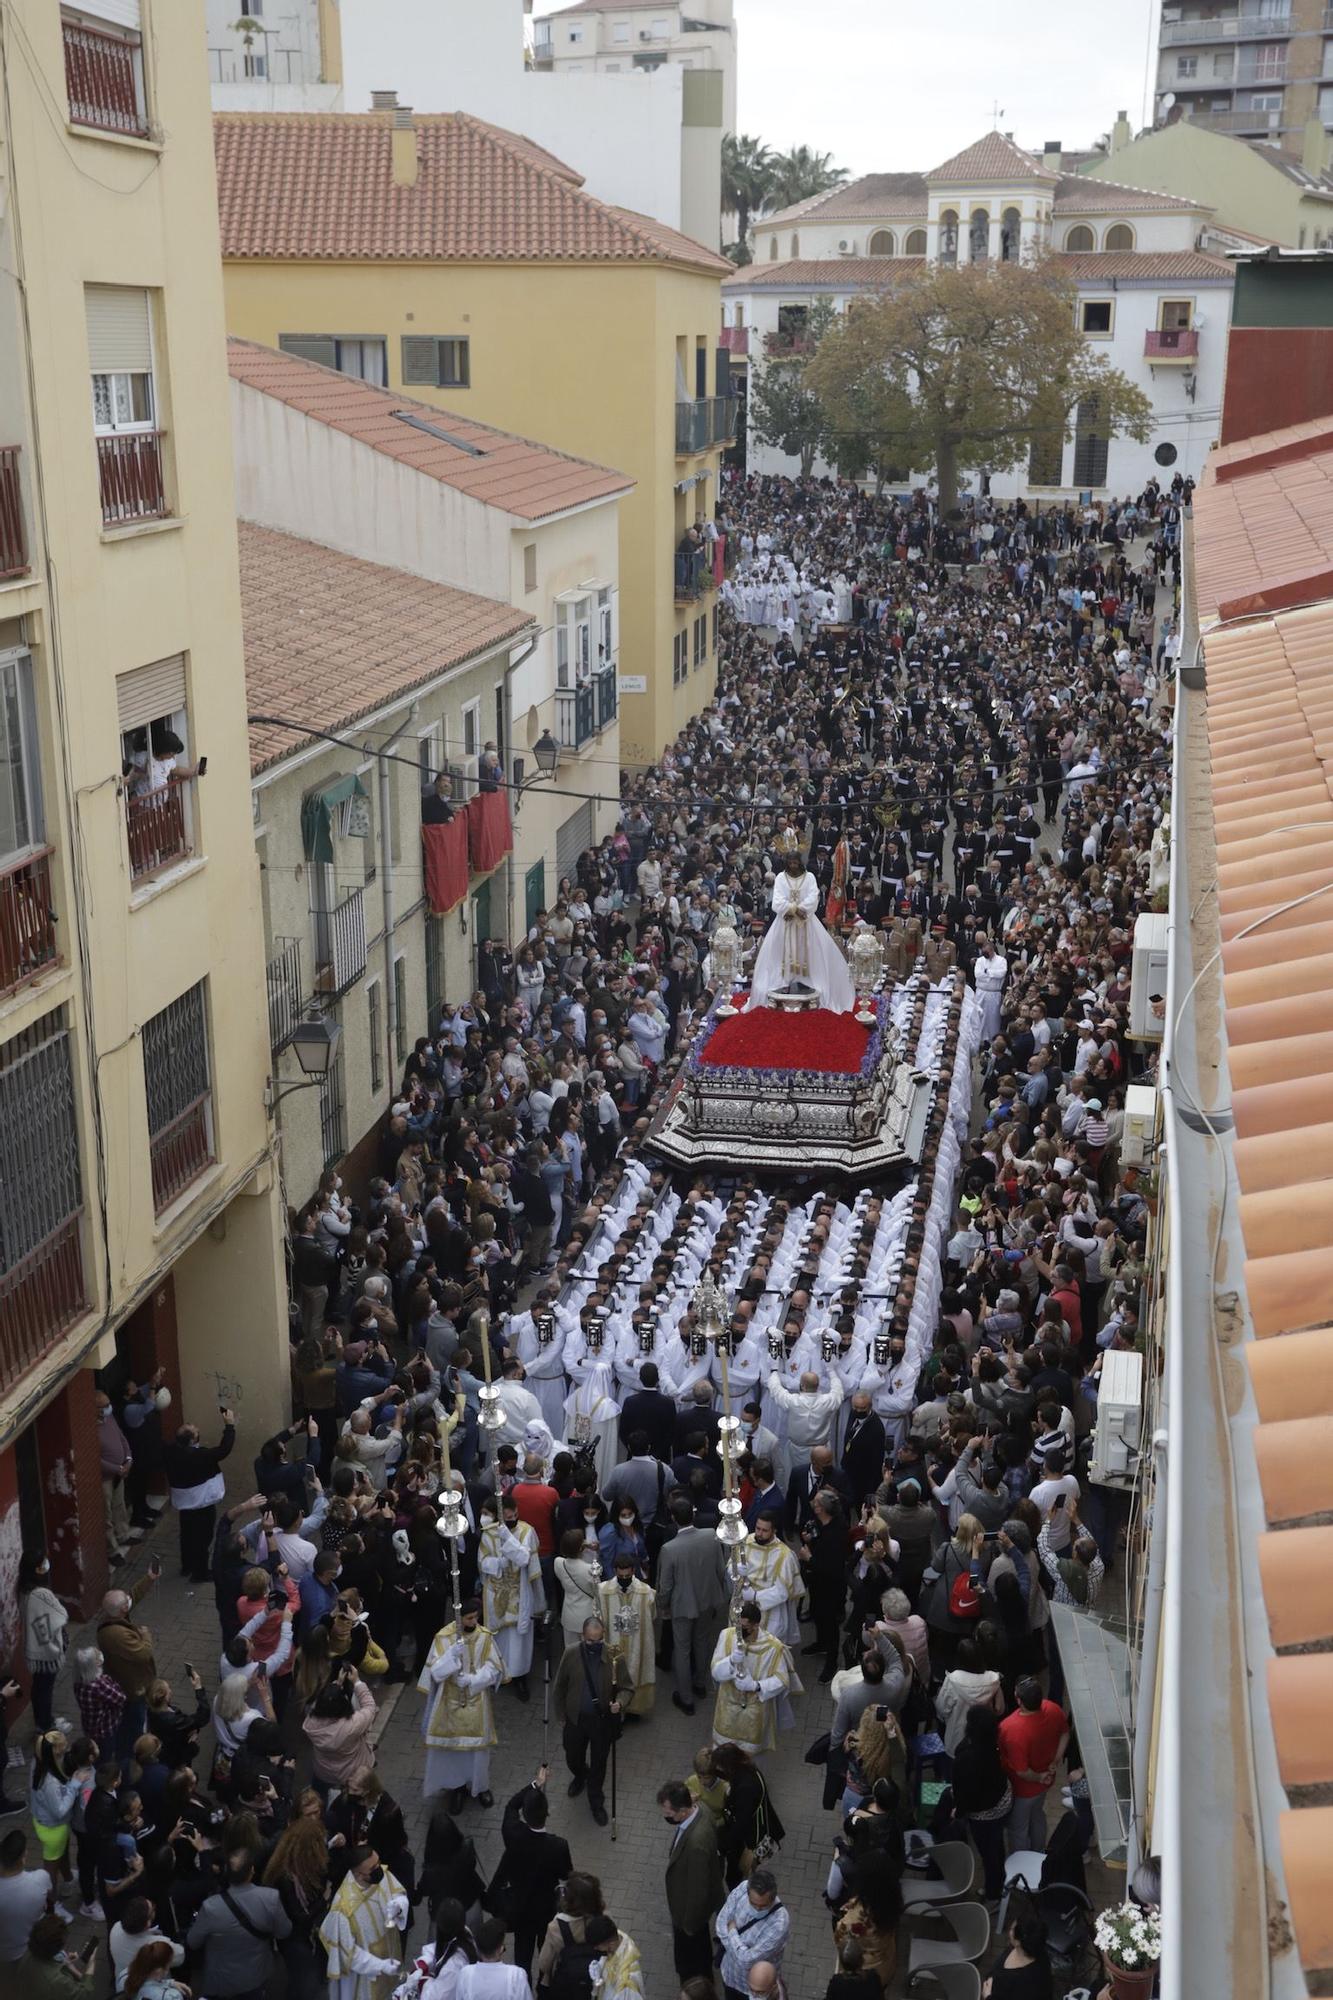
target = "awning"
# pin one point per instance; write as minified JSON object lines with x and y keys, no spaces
{"x":317,"y":814}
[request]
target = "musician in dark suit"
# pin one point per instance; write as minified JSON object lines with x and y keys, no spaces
{"x":651,"y":1411}
{"x":534,"y":1863}
{"x":863,"y":1448}
{"x":695,"y":1887}
{"x":806,"y":1481}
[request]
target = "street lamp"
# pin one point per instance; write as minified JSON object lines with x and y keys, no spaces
{"x":315,"y":1042}
{"x":547,"y":752}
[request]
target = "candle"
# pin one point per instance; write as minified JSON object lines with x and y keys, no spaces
{"x":483,"y":1321}
{"x":444,"y":1455}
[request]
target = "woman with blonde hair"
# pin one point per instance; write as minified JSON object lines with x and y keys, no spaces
{"x":298,"y":1869}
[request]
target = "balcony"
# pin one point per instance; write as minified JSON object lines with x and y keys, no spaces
{"x":340,"y":944}
{"x":40,"y":1296}
{"x":13,"y":541}
{"x":156,"y":824}
{"x":286,"y":996}
{"x":694,"y":576}
{"x":734,"y":339}
{"x":1172,"y":344}
{"x":1253,"y":76}
{"x":179,"y":1153}
{"x":787,"y":346}
{"x":608,"y":697}
{"x":575,"y":715}
{"x":129,"y":469}
{"x":1243,"y":124}
{"x":1229,"y":28}
{"x":104,"y":80}
{"x":707,"y":421}
{"x":27,"y":921}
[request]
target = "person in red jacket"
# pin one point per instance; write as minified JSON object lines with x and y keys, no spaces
{"x":1032,"y":1742}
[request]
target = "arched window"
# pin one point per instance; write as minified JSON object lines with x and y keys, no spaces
{"x":772,"y":249}
{"x":795,"y":244}
{"x":1119,"y":237}
{"x":1080,"y":237}
{"x":915,"y":245}
{"x":978,"y":236}
{"x":1011,"y":236}
{"x":881,"y":243}
{"x":948,"y":236}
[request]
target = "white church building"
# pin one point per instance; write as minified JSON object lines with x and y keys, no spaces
{"x":1153,"y":292}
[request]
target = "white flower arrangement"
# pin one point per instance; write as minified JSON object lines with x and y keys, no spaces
{"x":1130,"y":1936}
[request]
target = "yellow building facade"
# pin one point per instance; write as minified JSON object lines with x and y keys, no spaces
{"x":553,"y":316}
{"x":139,"y":1218}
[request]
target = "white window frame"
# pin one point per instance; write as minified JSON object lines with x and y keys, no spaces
{"x":1187,"y":67}
{"x":620,"y":33}
{"x":375,"y":1028}
{"x":472,"y":727}
{"x":18,"y":661}
{"x":130,"y":375}
{"x":1093,"y":332}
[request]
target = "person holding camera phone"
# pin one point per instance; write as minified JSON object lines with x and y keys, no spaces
{"x":194,"y":1474}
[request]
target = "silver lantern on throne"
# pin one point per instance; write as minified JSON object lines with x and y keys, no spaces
{"x":865,"y":962}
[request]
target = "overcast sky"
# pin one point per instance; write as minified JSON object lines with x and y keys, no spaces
{"x":892,"y":85}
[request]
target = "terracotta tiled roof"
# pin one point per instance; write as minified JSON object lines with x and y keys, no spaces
{"x":321,"y":188}
{"x":873,"y":196}
{"x":1107,"y":264}
{"x":994,"y":158}
{"x":1079,"y":195}
{"x":830,"y":272}
{"x":332,"y":639}
{"x":1263,"y":529}
{"x":530,"y":480}
{"x":1264,"y":523}
{"x":603,"y":7}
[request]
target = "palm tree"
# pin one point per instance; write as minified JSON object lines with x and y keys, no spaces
{"x":799,"y":174}
{"x":747,"y":167}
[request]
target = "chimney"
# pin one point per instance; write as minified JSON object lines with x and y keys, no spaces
{"x":1122,"y":133}
{"x":404,"y":147}
{"x":1314,"y":147}
{"x":383,"y":100}
{"x":1051,"y":153}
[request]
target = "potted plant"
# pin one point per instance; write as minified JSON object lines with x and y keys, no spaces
{"x":1129,"y":1938}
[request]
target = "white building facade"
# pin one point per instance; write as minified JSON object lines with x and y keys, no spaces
{"x":1153,"y":303}
{"x":274,"y":55}
{"x":602,"y":38}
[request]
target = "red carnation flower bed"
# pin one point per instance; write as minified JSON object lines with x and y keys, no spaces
{"x":768,"y":1038}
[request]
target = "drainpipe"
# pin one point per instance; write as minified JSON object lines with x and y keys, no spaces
{"x":381,"y":753}
{"x":1145,"y":1700}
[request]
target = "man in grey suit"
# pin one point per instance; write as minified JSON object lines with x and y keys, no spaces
{"x":693,"y":1590}
{"x":236,"y":1930}
{"x":695,"y":1888}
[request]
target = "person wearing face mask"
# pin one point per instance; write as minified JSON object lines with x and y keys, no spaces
{"x":626,"y":1605}
{"x":462,"y":1669}
{"x":197,"y":1485}
{"x":363,"y":1931}
{"x":45,"y":1620}
{"x":114,"y":1449}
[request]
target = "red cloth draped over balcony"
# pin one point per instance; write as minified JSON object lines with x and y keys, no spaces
{"x":490,"y":835}
{"x":444,"y":855}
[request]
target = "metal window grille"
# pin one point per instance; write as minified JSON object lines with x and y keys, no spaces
{"x":434,"y":969}
{"x":1091,"y":450}
{"x":376,"y":1032}
{"x":285,"y":994}
{"x":41,"y":1195}
{"x":400,"y":1008}
{"x":333,"y":1113}
{"x":178,"y":1088}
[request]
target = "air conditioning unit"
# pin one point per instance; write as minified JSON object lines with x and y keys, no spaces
{"x":463,"y":779}
{"x":1115,"y":1450}
{"x":1138,"y":1140}
{"x":1147,"y":982}
{"x":845,"y":247}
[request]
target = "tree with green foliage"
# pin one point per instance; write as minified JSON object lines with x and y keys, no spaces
{"x":782,"y":411}
{"x":747,"y":168}
{"x":963,"y":367}
{"x":799,"y":174}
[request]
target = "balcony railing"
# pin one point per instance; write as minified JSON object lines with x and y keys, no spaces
{"x":13,"y":540}
{"x":694,"y":575}
{"x":1230,"y":28}
{"x":1238,"y":122}
{"x":786,"y":346}
{"x":708,"y":420}
{"x":1255,"y":76}
{"x":42,"y":1294}
{"x":27,"y":921}
{"x":103,"y":77}
{"x":286,"y":996}
{"x":155,"y":822}
{"x":179,"y":1153}
{"x":575,"y":715}
{"x":129,"y":466}
{"x":735,"y":339}
{"x":341,"y":944}
{"x":1173,"y":343}
{"x":608,"y":698}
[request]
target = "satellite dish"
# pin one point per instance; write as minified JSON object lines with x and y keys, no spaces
{"x":1168,"y":102}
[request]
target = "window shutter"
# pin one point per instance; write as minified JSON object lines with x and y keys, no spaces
{"x":571,"y":838}
{"x":149,"y":692}
{"x":310,"y":347}
{"x":125,"y":13}
{"x":119,"y":339}
{"x":421,"y":360}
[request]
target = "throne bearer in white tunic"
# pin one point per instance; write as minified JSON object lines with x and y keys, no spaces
{"x":459,"y":1726}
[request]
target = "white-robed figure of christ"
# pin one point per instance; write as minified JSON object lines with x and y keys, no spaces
{"x":797,"y":951}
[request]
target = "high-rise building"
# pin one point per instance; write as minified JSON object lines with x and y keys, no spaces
{"x":1254,"y":68}
{"x":617,"y":37}
{"x":275,"y":55}
{"x":140,"y":1222}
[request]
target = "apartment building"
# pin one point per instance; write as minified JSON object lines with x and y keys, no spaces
{"x":496,"y":529}
{"x":139,"y":1211}
{"x":1255,"y":69}
{"x":275,"y":55}
{"x":618,"y":37}
{"x":466,"y":268}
